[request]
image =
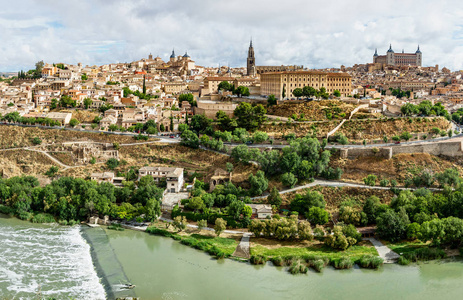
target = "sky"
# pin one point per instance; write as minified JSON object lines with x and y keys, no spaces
{"x":313,"y":33}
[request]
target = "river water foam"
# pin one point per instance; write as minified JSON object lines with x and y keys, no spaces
{"x":53,"y":261}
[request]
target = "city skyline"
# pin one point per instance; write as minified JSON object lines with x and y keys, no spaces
{"x":316,"y":34}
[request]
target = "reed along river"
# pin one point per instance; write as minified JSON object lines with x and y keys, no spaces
{"x":58,"y":261}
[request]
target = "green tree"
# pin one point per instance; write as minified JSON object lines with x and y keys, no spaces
{"x":190,"y":139}
{"x":242,"y":91}
{"x":259,"y":137}
{"x":73,"y":122}
{"x":84,"y":77}
{"x":229,"y":167}
{"x":250,"y":117}
{"x":409,"y":109}
{"x":259,"y":183}
{"x":187,"y":97}
{"x":112,"y":163}
{"x":66,"y":101}
{"x":220,"y":226}
{"x":297,"y":92}
{"x":180,"y":223}
{"x":405,"y":136}
{"x":392,"y":226}
{"x":153,"y":209}
{"x":200,"y":123}
{"x":303,"y":202}
{"x":336,"y":93}
{"x":54,"y":103}
{"x":271,"y":100}
{"x":87,"y":103}
{"x":225,"y":86}
{"x":202,"y":224}
{"x":52,"y":171}
{"x":288,"y":179}
{"x":317,"y":216}
{"x":274,"y":198}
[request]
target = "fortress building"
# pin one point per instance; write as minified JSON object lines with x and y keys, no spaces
{"x":399,"y":59}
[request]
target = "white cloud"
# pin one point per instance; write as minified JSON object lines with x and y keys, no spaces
{"x":313,"y":33}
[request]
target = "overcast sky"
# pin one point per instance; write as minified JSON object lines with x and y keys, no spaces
{"x":313,"y":33}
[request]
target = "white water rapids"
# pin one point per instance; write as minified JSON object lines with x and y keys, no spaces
{"x":47,"y":261}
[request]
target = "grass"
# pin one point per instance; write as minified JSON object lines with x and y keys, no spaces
{"x":215,"y":246}
{"x":355,"y":252}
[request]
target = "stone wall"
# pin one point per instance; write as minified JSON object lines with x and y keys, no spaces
{"x":451,"y":149}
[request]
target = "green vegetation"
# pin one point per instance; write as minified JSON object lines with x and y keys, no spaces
{"x":215,"y":246}
{"x":70,"y":199}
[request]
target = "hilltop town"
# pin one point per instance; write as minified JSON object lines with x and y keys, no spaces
{"x":285,"y":153}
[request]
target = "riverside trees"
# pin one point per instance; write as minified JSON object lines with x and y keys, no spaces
{"x":70,"y":198}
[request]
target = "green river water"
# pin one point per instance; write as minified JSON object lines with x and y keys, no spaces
{"x":162,"y":268}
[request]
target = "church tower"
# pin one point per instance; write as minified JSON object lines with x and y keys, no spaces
{"x":251,"y":66}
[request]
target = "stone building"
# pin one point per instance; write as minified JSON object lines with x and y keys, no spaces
{"x":279,"y":83}
{"x":210,"y":108}
{"x":173,"y":176}
{"x":220,"y":177}
{"x":399,"y":59}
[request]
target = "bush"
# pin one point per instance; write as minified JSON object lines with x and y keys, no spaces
{"x":384,"y":183}
{"x":258,"y":259}
{"x":298,"y":266}
{"x":318,"y":265}
{"x":288,"y":179}
{"x":277,"y":261}
{"x":425,"y":254}
{"x":6,"y":210}
{"x":403,"y":261}
{"x":112,"y":163}
{"x":342,"y":263}
{"x":43,"y":218}
{"x":318,"y":216}
{"x":370,"y":261}
{"x":36,"y":141}
{"x":370,"y":180}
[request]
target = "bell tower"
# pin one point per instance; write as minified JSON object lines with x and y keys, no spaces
{"x":251,"y":70}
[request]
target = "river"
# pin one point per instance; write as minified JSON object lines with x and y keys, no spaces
{"x":59,"y":260}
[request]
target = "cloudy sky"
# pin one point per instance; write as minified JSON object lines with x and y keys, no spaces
{"x":313,"y":33}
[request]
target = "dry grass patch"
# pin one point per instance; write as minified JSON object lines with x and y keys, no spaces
{"x":399,"y":167}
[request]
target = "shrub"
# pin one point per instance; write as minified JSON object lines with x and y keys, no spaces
{"x":288,"y":179}
{"x":298,"y":266}
{"x":317,"y":216}
{"x":403,"y":261}
{"x":36,"y":141}
{"x":6,"y":210}
{"x":258,"y":259}
{"x":384,"y":183}
{"x":43,"y":218}
{"x":277,"y":261}
{"x":318,"y":265}
{"x":370,"y":261}
{"x":342,"y":263}
{"x":370,"y":180}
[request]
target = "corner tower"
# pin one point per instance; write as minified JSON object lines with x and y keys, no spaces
{"x":251,"y":66}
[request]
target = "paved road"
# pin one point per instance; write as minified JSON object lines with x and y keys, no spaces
{"x":384,"y":252}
